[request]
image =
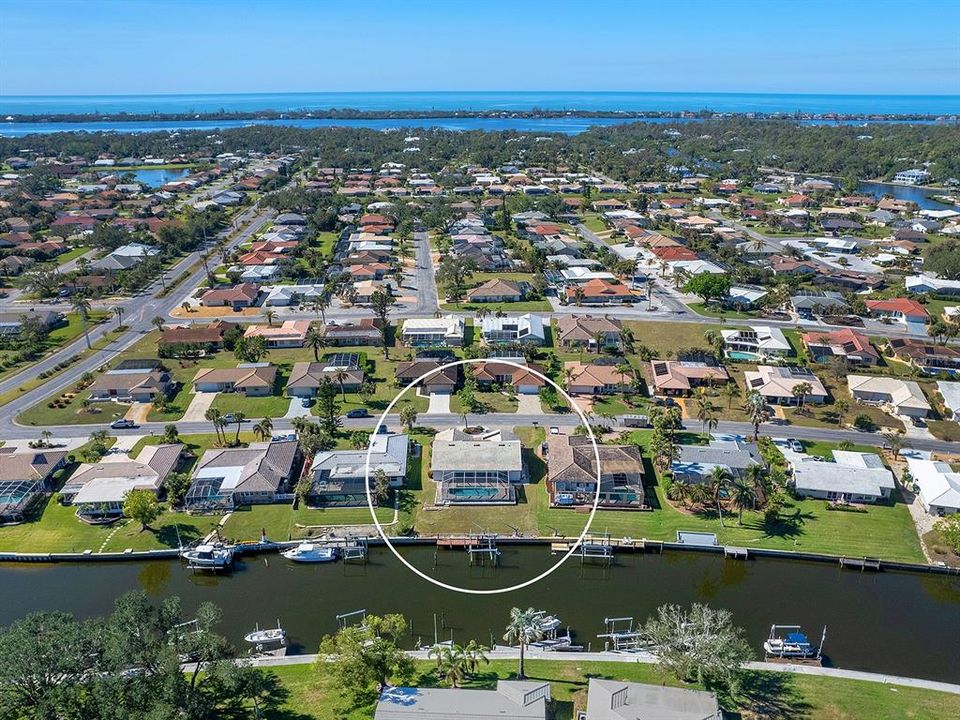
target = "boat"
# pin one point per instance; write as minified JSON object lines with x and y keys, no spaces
{"x":311,"y":553}
{"x":209,"y":557}
{"x":793,"y":645}
{"x":268,"y":636}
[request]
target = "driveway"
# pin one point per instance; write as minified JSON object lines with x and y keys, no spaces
{"x":138,"y":412}
{"x":529,"y":405}
{"x":198,"y":407}
{"x":439,"y":404}
{"x":296,"y":409}
{"x":125,"y":443}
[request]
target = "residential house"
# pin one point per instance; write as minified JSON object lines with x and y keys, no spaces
{"x":902,"y":310}
{"x":289,"y":334}
{"x":25,"y":476}
{"x":495,"y":372}
{"x":496,"y":290}
{"x":758,"y":342}
{"x":900,"y":397}
{"x":132,"y":381}
{"x":598,"y":292}
{"x":225,"y":478}
{"x":681,"y":377}
{"x":251,"y":379}
{"x":11,"y":323}
{"x":853,"y":477}
{"x":572,"y":473}
{"x":476,"y":469}
{"x":239,"y":296}
{"x":926,"y":356}
{"x":194,"y":339}
{"x":337,"y":476}
{"x":777,"y":384}
{"x":814,"y":303}
{"x":125,"y":257}
{"x":696,"y":462}
{"x":852,"y":347}
{"x":286,"y":295}
{"x":512,"y":700}
{"x":744,"y":297}
{"x":594,"y":379}
{"x":573,"y":331}
{"x":437,"y":380}
{"x":365,"y":331}
{"x":929,"y":284}
{"x":341,"y":369}
{"x":616,"y":700}
{"x":444,"y":331}
{"x":938,"y":486}
{"x":98,"y":489}
{"x":521,"y":329}
{"x":950,"y":392}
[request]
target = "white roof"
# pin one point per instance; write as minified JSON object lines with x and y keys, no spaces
{"x":697,"y":267}
{"x":526,"y":325}
{"x":900,"y":393}
{"x":950,"y":391}
{"x":750,"y":294}
{"x":920,"y":283}
{"x":768,"y":338}
{"x":938,"y":484}
{"x":871,"y":476}
{"x":449,"y":326}
{"x":582,"y":274}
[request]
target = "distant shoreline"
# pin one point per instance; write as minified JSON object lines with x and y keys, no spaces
{"x":400,"y":114}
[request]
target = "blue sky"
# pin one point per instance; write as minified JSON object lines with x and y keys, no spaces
{"x":53,"y":47}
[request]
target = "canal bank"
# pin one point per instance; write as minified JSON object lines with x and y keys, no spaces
{"x":893,"y":622}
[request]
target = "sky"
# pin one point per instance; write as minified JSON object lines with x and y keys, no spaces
{"x":85,"y":47}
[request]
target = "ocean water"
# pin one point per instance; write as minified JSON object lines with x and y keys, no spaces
{"x":506,"y":101}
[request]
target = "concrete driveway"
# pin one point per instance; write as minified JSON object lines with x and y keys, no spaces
{"x":138,"y":412}
{"x":198,"y":407}
{"x":439,"y":404}
{"x":529,"y":404}
{"x":296,"y":409}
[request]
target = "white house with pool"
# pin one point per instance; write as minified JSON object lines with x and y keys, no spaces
{"x":476,"y":468}
{"x":759,"y":342}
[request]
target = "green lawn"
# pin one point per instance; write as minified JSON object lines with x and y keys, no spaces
{"x":308,"y":693}
{"x":664,"y":337}
{"x":72,"y":254}
{"x":282,"y":522}
{"x":272,"y":406}
{"x":717,"y":312}
{"x":523,"y":306}
{"x":496,"y":402}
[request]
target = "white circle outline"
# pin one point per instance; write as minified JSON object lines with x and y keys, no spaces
{"x":439,"y":583}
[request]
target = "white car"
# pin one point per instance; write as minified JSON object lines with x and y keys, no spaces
{"x":554,"y":430}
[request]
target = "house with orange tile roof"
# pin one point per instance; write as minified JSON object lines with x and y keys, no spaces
{"x":903,"y":310}
{"x":289,"y":334}
{"x":852,"y":347}
{"x":599,"y":292}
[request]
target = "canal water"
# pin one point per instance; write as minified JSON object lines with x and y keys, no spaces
{"x":154,"y":178}
{"x":921,"y":196}
{"x":889,"y":622}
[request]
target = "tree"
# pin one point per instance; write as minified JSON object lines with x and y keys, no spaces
{"x":708,"y":286}
{"x":328,"y":407}
{"x":730,"y":391}
{"x":944,"y":259}
{"x":319,"y":305}
{"x":214,"y":416}
{"x":381,"y":486}
{"x":949,"y":529}
{"x":142,"y":506}
{"x":380,"y":302}
{"x":756,"y":407}
{"x":359,"y":439}
{"x":408,"y":416}
{"x":263,"y":430}
{"x":718,"y":481}
{"x":171,"y":434}
{"x":339,"y":376}
{"x":316,"y":340}
{"x":251,"y":349}
{"x":239,"y":418}
{"x":366,"y":391}
{"x":270,"y":316}
{"x":800,"y":392}
{"x":743,"y":495}
{"x":362,"y":659}
{"x":177,"y":484}
{"x":157,"y":322}
{"x":842,"y":407}
{"x":81,"y":306}
{"x":451,"y":663}
{"x":523,"y":628}
{"x":895,"y":442}
{"x":701,"y":645}
{"x":453,"y":274}
{"x":118,"y":311}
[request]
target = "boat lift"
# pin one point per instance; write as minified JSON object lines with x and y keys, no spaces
{"x":620,"y":635}
{"x":596,"y":548}
{"x":345,"y":620}
{"x":788,"y":643}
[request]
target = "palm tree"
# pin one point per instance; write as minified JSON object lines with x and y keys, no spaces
{"x":895,"y":441}
{"x":756,"y":407}
{"x":578,"y":295}
{"x":743,"y":495}
{"x":381,"y":486}
{"x":157,"y":322}
{"x":842,"y":407}
{"x":214,"y":416}
{"x":800,"y":392}
{"x":186,"y":306}
{"x":451,"y":663}
{"x":719,"y":480}
{"x":81,"y":305}
{"x":270,"y":315}
{"x":263,"y":429}
{"x":339,"y":375}
{"x":524,"y":628}
{"x":118,"y":311}
{"x":238,"y":418}
{"x":408,"y":416}
{"x":317,"y":340}
{"x":319,"y":305}
{"x":474,"y":654}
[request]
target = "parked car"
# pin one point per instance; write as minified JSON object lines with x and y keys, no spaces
{"x":358,"y":413}
{"x":231,"y":418}
{"x":123,"y":424}
{"x":795,"y":445}
{"x":306,"y":402}
{"x":554,"y":430}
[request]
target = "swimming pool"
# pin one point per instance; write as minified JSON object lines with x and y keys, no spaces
{"x":742,"y":355}
{"x":473,"y":492}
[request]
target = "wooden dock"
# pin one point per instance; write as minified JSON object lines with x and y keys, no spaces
{"x":862,"y":563}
